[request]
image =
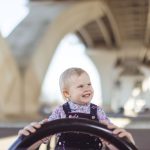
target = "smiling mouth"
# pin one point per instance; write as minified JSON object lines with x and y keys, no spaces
{"x":86,"y":95}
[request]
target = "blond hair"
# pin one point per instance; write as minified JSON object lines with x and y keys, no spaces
{"x":66,"y":75}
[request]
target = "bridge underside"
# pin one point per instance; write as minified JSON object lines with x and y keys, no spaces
{"x":115,"y":33}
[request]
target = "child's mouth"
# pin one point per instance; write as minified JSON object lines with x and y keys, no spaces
{"x":86,"y":95}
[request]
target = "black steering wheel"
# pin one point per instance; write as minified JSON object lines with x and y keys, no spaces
{"x":71,"y":124}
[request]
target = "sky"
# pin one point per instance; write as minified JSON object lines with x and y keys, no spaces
{"x":11,"y":13}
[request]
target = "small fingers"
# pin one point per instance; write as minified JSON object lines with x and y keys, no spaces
{"x":128,"y":137}
{"x":43,"y":121}
{"x":122,"y":133}
{"x":23,"y":132}
{"x":29,"y":129}
{"x":35,"y":125}
{"x":46,"y":140}
{"x":119,"y":130}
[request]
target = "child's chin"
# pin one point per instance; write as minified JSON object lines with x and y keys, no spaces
{"x":85,"y":101}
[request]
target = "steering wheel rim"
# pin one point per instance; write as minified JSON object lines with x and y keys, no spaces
{"x":71,"y":124}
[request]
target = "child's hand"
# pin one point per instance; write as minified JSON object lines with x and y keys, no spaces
{"x":31,"y":128}
{"x":122,"y":133}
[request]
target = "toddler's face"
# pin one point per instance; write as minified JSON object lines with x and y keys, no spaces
{"x":80,"y":89}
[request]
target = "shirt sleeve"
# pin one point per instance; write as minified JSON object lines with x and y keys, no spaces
{"x":57,"y":114}
{"x":102,"y":115}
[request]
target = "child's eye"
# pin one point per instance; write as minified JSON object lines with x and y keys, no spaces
{"x":80,"y":86}
{"x":89,"y":84}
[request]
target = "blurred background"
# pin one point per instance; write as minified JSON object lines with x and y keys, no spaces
{"x":39,"y":39}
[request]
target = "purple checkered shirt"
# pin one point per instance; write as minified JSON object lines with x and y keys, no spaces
{"x":59,"y":113}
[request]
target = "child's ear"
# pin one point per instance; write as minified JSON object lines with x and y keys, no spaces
{"x":66,"y":94}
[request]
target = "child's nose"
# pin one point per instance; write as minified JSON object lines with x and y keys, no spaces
{"x":87,"y":87}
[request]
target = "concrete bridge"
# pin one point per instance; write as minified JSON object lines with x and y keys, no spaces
{"x":116,"y":35}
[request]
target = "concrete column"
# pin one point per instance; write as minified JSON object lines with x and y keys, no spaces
{"x":127,"y":85}
{"x":31,"y":93}
{"x":104,"y":62}
{"x":10,"y":83}
{"x":146,"y":85}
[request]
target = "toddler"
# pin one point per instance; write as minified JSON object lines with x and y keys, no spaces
{"x":77,"y":90}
